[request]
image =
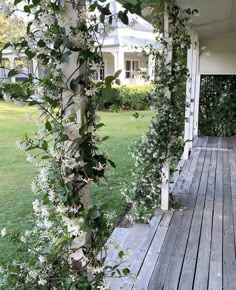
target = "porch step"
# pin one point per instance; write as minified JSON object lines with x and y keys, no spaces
{"x":137,"y":240}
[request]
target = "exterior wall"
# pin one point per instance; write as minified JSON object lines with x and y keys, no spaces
{"x":143,"y":65}
{"x":222,"y":55}
{"x":109,"y":63}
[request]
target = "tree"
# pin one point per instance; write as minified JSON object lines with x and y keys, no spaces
{"x":11,"y":27}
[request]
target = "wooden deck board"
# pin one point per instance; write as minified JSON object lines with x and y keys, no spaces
{"x":199,"y":248}
{"x":194,"y":248}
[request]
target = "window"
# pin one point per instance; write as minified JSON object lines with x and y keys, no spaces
{"x":99,"y":74}
{"x":131,"y":69}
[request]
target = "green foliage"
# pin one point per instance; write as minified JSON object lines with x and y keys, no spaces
{"x":16,"y":90}
{"x":217,"y":114}
{"x":68,"y":232}
{"x":163,"y":141}
{"x":130,"y":97}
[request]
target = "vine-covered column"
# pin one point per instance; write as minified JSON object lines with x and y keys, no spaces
{"x":167,"y":95}
{"x":192,"y":94}
{"x":160,"y":149}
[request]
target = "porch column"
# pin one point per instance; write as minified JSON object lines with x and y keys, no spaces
{"x":150,"y":67}
{"x":166,"y":168}
{"x":12,"y":65}
{"x":119,"y":63}
{"x":196,"y":108}
{"x":191,"y":94}
{"x":193,"y":105}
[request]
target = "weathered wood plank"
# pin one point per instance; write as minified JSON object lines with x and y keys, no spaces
{"x":144,"y":247}
{"x":202,"y":269}
{"x":188,"y":270}
{"x":229,"y":263}
{"x":215,"y":270}
{"x":131,"y":244}
{"x":153,"y":254}
{"x":159,"y":274}
{"x":174,"y":269}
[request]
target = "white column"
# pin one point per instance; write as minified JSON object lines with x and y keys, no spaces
{"x":119,"y":63}
{"x":150,"y":67}
{"x":195,"y":59}
{"x":188,"y":103}
{"x":166,"y":167}
{"x":12,"y":65}
{"x":196,"y":108}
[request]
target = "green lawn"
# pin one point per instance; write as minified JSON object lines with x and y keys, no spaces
{"x":16,"y":174}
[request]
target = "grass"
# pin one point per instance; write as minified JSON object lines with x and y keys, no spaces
{"x":16,"y":174}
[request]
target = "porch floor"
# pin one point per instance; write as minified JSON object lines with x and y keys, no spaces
{"x":192,"y":248}
{"x":198,"y":251}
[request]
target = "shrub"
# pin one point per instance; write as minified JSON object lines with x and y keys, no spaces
{"x":131,"y":97}
{"x":16,"y":90}
{"x":217,"y":114}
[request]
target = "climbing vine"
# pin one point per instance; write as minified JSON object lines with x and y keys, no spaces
{"x":163,"y":141}
{"x":69,"y":232}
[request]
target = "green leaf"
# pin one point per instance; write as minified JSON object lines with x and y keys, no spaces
{"x":45,"y":145}
{"x":93,"y":6}
{"x":126,"y":271}
{"x":27,"y":9}
{"x":12,"y":73}
{"x":116,"y":75}
{"x":29,"y":53}
{"x":111,"y":163}
{"x":117,"y":81}
{"x":109,"y":80}
{"x":65,"y":56}
{"x":36,"y":2}
{"x":105,"y":138}
{"x":6,"y":45}
{"x":17,"y":2}
{"x":121,"y":254}
{"x":41,"y":43}
{"x":100,"y":125}
{"x":75,"y":82}
{"x":123,"y":17}
{"x":48,"y":126}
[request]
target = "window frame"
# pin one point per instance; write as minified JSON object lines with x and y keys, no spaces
{"x":131,"y":71}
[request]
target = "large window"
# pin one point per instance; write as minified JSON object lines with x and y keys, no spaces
{"x":131,"y":69}
{"x":99,"y":74}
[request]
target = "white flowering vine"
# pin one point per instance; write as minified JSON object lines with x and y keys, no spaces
{"x":68,"y":232}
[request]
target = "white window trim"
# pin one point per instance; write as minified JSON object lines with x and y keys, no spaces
{"x":131,"y":60}
{"x":105,"y":70}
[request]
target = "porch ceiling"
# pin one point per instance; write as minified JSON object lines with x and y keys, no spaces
{"x":216,"y":16}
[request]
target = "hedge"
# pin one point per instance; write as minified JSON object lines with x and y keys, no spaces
{"x":130,"y":97}
{"x":217,"y":114}
{"x":13,"y":89}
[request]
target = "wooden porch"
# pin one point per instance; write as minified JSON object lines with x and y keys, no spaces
{"x":192,"y":248}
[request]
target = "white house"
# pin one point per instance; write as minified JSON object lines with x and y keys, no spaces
{"x":123,"y":49}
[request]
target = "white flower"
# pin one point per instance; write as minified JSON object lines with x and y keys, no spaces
{"x":28,"y":116}
{"x":30,"y":158}
{"x":146,"y":11}
{"x":42,"y":282}
{"x":43,"y":175}
{"x":36,"y":206}
{"x":42,"y":259}
{"x":3,"y":232}
{"x":7,"y":98}
{"x":208,"y":53}
{"x":21,"y":146}
{"x":91,"y":92}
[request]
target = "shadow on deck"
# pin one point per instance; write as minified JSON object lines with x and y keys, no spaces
{"x":192,"y":248}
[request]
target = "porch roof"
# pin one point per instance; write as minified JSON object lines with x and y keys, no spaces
{"x":215,"y":17}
